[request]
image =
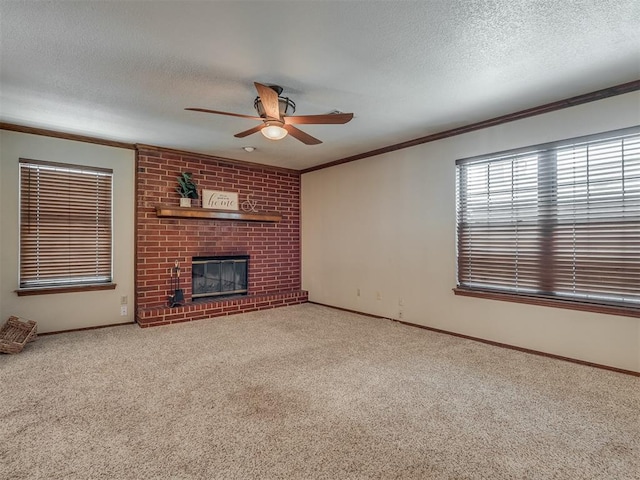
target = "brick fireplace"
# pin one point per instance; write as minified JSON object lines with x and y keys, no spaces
{"x":272,"y":242}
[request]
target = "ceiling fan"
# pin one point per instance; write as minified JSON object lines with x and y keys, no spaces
{"x":276,"y":114}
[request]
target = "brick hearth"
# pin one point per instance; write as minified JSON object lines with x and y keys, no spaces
{"x":273,"y":247}
{"x":153,"y":317}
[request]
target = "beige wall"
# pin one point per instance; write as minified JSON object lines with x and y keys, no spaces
{"x":65,"y":311}
{"x":386,"y":225}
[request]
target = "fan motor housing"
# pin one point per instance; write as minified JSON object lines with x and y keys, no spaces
{"x":286,"y":105}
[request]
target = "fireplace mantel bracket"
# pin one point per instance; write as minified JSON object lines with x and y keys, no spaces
{"x":195,"y":212}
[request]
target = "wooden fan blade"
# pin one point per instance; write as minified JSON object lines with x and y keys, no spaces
{"x":249,"y":132}
{"x":319,"y":119}
{"x":300,"y":135}
{"x":223,"y":113}
{"x":269,"y":99}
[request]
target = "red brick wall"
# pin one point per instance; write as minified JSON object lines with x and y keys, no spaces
{"x":274,"y":248}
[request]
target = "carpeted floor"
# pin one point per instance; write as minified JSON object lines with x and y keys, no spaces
{"x":307,"y":392}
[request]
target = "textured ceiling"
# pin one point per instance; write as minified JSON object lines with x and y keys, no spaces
{"x":126,"y":70}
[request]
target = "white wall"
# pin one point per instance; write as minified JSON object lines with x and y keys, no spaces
{"x":387,"y":224}
{"x":63,"y":311}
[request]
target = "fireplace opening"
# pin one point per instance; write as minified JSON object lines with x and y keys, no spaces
{"x":219,"y":276}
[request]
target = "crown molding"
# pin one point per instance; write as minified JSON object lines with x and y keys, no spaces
{"x":66,"y":136}
{"x":510,"y":117}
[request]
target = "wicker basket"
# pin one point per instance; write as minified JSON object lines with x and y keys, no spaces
{"x":16,"y":333}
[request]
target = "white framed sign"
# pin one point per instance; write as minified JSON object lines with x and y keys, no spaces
{"x":219,"y":200}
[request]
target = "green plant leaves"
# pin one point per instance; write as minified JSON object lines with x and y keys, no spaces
{"x":186,"y":187}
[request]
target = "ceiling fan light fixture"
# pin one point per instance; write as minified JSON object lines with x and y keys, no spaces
{"x":273,"y":131}
{"x":275,"y":112}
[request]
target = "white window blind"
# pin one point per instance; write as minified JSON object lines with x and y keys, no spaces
{"x":65,"y":224}
{"x":559,"y":220}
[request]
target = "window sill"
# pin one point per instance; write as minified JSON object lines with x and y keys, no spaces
{"x":550,"y":302}
{"x":75,"y":288}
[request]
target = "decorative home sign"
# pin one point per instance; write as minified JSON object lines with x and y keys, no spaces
{"x":249,"y":205}
{"x":219,"y":200}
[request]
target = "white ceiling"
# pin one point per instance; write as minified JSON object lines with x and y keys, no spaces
{"x":126,"y":70}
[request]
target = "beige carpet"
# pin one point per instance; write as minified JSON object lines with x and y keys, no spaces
{"x":307,"y":392}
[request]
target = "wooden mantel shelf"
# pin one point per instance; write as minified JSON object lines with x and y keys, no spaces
{"x":194,"y":212}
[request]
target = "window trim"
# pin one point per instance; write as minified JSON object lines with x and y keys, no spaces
{"x":628,"y":310}
{"x":583,"y":306}
{"x":22,"y":292}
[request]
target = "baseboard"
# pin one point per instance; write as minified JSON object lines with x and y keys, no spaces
{"x":491,"y":342}
{"x":85,"y":328}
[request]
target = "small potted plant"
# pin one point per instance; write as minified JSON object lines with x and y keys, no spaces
{"x":187,"y":189}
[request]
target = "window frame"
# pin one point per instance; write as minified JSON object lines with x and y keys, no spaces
{"x":631,"y":309}
{"x":67,"y":285}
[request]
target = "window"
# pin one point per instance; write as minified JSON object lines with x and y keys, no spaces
{"x":65,"y":225}
{"x":557,"y":221}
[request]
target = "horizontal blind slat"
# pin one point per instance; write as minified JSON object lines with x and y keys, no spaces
{"x":565,"y":215}
{"x":65,"y":224}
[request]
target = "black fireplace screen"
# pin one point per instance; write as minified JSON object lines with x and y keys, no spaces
{"x":216,"y":276}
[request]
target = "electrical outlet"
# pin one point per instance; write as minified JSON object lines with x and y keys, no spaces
{"x":378,"y":296}
{"x":358,"y":294}
{"x":124,"y":300}
{"x":123,"y":310}
{"x":401,"y":302}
